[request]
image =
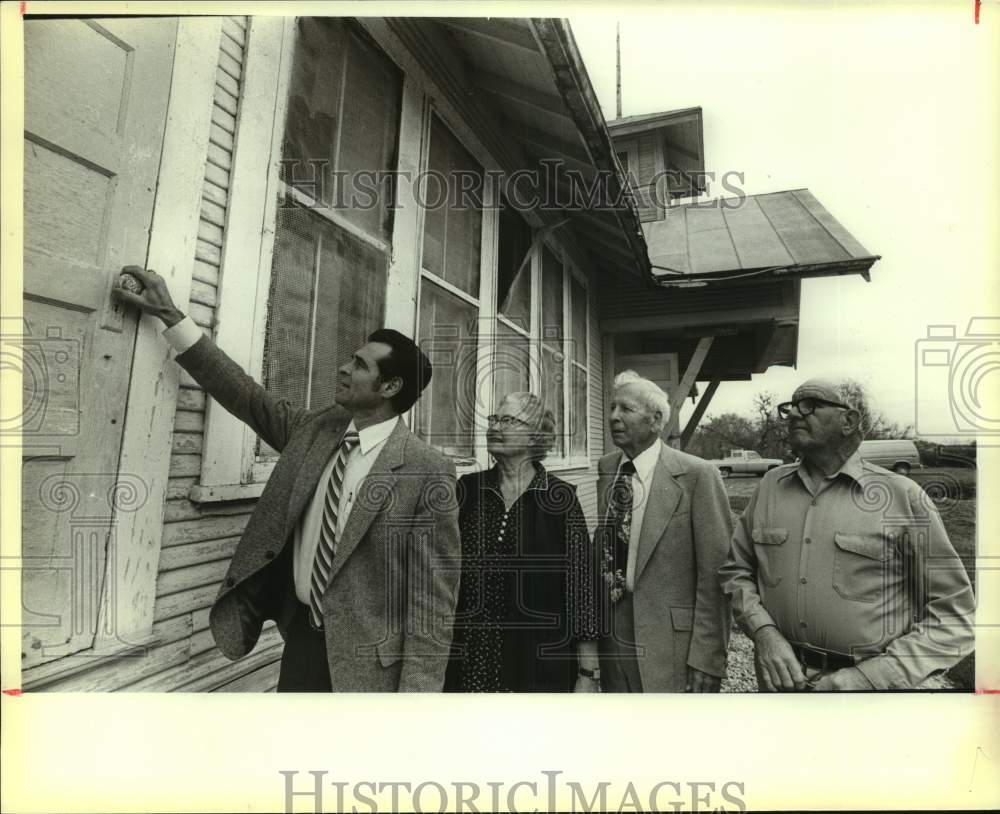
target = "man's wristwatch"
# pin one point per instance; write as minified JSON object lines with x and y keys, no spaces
{"x":594,"y":675}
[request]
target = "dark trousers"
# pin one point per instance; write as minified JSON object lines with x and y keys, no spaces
{"x":303,"y":661}
{"x":620,"y":664}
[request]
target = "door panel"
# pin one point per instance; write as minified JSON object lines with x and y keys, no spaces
{"x":660,"y":368}
{"x":95,"y":106}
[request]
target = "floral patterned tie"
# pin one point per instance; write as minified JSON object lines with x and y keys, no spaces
{"x":620,"y":516}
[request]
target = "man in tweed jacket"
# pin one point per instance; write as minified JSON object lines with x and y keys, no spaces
{"x":388,"y":606}
{"x":669,"y":621}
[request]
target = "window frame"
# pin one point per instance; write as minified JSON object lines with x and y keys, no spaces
{"x":489,"y":316}
{"x":631,"y":149}
{"x":571,"y":273}
{"x":486,"y":301}
{"x":230,"y":469}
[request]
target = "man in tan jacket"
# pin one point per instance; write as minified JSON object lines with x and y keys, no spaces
{"x":353,"y":546}
{"x":665,"y":528}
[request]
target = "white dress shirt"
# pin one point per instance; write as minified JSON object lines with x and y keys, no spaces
{"x":642,"y":481}
{"x":359,"y":463}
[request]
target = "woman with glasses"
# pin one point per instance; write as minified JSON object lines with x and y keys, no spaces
{"x":526,"y":619}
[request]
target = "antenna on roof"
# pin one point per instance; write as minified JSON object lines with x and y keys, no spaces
{"x":618,"y":64}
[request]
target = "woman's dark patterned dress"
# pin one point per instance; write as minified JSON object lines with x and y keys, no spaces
{"x":528,"y":589}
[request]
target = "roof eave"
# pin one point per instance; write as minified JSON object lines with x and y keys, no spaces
{"x":573,"y":84}
{"x":857,"y":265}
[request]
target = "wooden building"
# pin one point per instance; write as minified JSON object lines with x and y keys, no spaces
{"x":728,"y":270}
{"x":217,"y":150}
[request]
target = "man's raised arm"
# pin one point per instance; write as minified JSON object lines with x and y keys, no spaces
{"x":271,"y":418}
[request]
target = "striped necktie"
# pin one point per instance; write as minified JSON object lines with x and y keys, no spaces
{"x":327,"y":548}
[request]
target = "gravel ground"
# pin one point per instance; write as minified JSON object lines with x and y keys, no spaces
{"x":740,"y":675}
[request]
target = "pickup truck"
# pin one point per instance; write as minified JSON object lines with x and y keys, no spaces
{"x":740,"y":461}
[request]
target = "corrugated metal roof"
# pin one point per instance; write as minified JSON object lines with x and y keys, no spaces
{"x":783,"y":232}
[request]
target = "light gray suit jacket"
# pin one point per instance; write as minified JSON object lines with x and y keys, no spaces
{"x":389,"y":607}
{"x":682,"y":618}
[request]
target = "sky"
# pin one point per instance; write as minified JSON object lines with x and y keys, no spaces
{"x":889,"y":115}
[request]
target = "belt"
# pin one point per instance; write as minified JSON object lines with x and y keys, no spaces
{"x":821,"y":659}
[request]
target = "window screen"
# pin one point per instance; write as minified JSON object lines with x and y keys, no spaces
{"x":553,"y":380}
{"x":448,"y":335}
{"x":453,"y":223}
{"x":577,"y":431}
{"x":552,"y":299}
{"x":514,"y":268}
{"x":578,"y":310}
{"x":578,"y":415}
{"x":511,"y":363}
{"x":327,"y":289}
{"x":453,"y":218}
{"x":327,"y":294}
{"x":342,"y":125}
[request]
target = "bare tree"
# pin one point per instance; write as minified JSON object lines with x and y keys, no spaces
{"x":766,"y":434}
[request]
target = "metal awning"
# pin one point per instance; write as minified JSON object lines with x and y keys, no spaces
{"x":758,"y":237}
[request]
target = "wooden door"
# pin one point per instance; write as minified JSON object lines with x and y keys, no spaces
{"x":95,"y":106}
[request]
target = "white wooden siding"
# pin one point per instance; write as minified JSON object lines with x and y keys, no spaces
{"x":196,"y":542}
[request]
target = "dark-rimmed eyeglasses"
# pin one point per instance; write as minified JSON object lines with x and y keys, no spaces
{"x":505,"y":422}
{"x":806,"y":406}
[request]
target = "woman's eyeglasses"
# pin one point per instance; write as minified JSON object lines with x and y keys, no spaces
{"x":806,"y":406}
{"x":505,"y":422}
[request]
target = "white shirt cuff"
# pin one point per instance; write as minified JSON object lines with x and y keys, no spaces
{"x":183,"y":335}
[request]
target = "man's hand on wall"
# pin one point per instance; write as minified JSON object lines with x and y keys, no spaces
{"x":150,"y":295}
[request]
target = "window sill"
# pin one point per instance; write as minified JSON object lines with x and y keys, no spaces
{"x":567,"y":466}
{"x":226,"y":492}
{"x":252,"y":491}
{"x":575,"y":464}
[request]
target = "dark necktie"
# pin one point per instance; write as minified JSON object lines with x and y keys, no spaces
{"x":327,"y":548}
{"x":620,"y":514}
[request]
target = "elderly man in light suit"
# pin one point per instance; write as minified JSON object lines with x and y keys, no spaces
{"x":665,"y":526}
{"x":353,"y":546}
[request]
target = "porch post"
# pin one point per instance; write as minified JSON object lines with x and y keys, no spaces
{"x":699,"y":411}
{"x":684,"y":388}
